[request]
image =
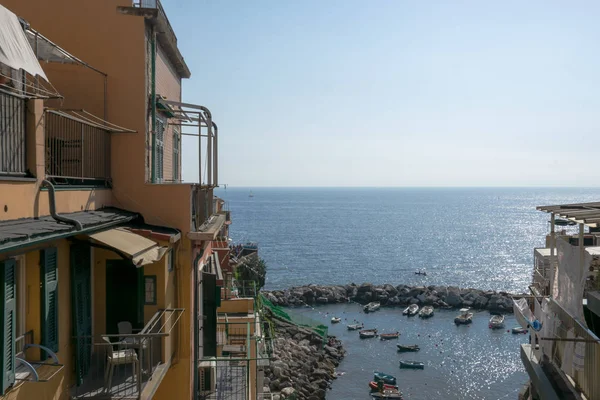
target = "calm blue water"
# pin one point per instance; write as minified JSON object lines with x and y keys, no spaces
{"x":469,"y":237}
{"x":481,"y":238}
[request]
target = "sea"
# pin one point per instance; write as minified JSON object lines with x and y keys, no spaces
{"x":480,"y":238}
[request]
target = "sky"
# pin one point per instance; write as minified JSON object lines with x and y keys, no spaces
{"x":395,"y":93}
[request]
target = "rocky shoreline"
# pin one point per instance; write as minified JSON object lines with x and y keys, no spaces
{"x":302,"y":366}
{"x":393,"y":296}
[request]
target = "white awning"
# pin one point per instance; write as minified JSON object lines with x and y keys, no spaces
{"x":15,"y":51}
{"x":140,"y":250}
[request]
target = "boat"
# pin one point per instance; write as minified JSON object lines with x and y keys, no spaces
{"x":335,"y":320}
{"x":388,"y":336}
{"x":410,"y":347}
{"x":464,"y":318}
{"x":380,"y":376}
{"x":367,"y":333}
{"x":426,"y":312}
{"x":373,"y":386}
{"x":497,"y":322}
{"x":387,"y":394}
{"x":518,"y":329}
{"x":411,"y":310}
{"x":411,"y":364}
{"x":421,"y":273}
{"x":563,"y":222}
{"x":371,"y":307}
{"x":355,"y":327}
{"x":251,"y":194}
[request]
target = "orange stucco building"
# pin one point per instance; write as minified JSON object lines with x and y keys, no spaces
{"x":112,"y":266}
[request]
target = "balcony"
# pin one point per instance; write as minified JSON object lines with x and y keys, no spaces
{"x":236,"y":372}
{"x":126,"y":366}
{"x":13,"y":151}
{"x":567,"y":356}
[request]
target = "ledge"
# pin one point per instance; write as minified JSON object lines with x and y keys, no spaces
{"x":209,"y":230}
{"x":19,"y":179}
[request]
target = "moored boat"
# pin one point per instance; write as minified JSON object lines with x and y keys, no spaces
{"x":388,"y":336}
{"x":410,"y":347}
{"x":386,"y":378}
{"x":367,"y":333}
{"x":496,"y":322}
{"x":426,"y":312}
{"x":387,"y":394}
{"x":355,"y":327}
{"x":518,"y":329}
{"x":335,"y":320}
{"x":371,"y":307}
{"x":411,"y":364}
{"x":411,"y":310}
{"x":465,"y":317}
{"x":373,"y":386}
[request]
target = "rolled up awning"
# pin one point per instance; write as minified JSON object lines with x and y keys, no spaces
{"x":140,"y":250}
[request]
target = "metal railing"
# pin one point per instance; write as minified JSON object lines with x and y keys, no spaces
{"x":564,"y":344}
{"x":120,"y":365}
{"x":75,"y":150}
{"x":240,"y":289}
{"x":13,"y":149}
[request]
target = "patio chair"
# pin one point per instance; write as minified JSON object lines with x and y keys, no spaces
{"x":119,"y":357}
{"x":126,"y":328}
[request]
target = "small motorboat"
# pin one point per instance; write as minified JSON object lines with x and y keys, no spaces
{"x":373,"y":386}
{"x":410,"y":347}
{"x":380,"y":376}
{"x":371,"y":307}
{"x":426,"y":312}
{"x":411,"y":364}
{"x":464,"y":318}
{"x":367,"y":333}
{"x":387,"y":394}
{"x":563,"y":222}
{"x":336,"y":320}
{"x":388,"y":336}
{"x":517,"y":329}
{"x":421,"y":273}
{"x":496,"y":322}
{"x":355,"y":327}
{"x":411,"y":310}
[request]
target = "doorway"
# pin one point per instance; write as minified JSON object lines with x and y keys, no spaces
{"x":124,"y":295}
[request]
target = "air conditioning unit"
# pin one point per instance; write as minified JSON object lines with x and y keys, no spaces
{"x":207,"y":377}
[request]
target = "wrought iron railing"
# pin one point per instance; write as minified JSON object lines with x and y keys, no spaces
{"x":76,"y":152}
{"x":13,"y":150}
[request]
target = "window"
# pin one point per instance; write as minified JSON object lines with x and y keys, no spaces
{"x":160,"y":148}
{"x":49,"y":298}
{"x":175,"y":154}
{"x":150,"y":289}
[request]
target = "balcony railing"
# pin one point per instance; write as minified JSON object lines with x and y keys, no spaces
{"x":76,"y":151}
{"x":120,"y":366}
{"x":13,"y":150}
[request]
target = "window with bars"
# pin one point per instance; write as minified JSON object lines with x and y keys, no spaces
{"x":160,"y":149}
{"x":150,"y":289}
{"x":176,"y":142}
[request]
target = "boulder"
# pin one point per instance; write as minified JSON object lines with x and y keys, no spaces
{"x":414,"y":292}
{"x":452,"y":297}
{"x":365,"y":287}
{"x":429,"y":300}
{"x":480,"y":302}
{"x":322,"y":300}
{"x":287,"y":392}
{"x":421,"y":298}
{"x":413,"y":301}
{"x":391,"y":291}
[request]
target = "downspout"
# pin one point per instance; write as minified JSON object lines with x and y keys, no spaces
{"x":153,"y":100}
{"x":196,"y":328}
{"x":216,"y":151}
{"x":52,"y":199}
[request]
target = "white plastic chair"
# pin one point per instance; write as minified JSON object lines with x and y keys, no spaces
{"x":125,"y":328}
{"x":119,"y":357}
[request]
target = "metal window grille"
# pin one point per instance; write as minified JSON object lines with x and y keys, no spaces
{"x":12,"y":135}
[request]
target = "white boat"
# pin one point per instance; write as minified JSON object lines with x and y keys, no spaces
{"x":373,"y":306}
{"x":465,"y":317}
{"x":355,"y":327}
{"x":426,"y":312}
{"x":497,"y":322}
{"x":411,"y":310}
{"x":335,"y":320}
{"x":251,"y":194}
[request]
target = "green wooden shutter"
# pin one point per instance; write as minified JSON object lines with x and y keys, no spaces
{"x":8,"y":288}
{"x":209,"y":311}
{"x":49,"y":297}
{"x":81,"y":308}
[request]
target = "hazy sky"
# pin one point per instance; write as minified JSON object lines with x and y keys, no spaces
{"x":395,"y":93}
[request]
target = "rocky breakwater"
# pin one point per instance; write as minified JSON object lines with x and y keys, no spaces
{"x":390,"y":296}
{"x":302,"y":366}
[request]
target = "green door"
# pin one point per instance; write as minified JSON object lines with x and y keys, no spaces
{"x":209,"y":312}
{"x":81,"y":306}
{"x":124,"y":297}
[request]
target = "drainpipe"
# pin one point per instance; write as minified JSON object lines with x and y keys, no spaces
{"x":60,"y":218}
{"x":153,"y":100}
{"x":216,"y":151}
{"x":196,"y":327}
